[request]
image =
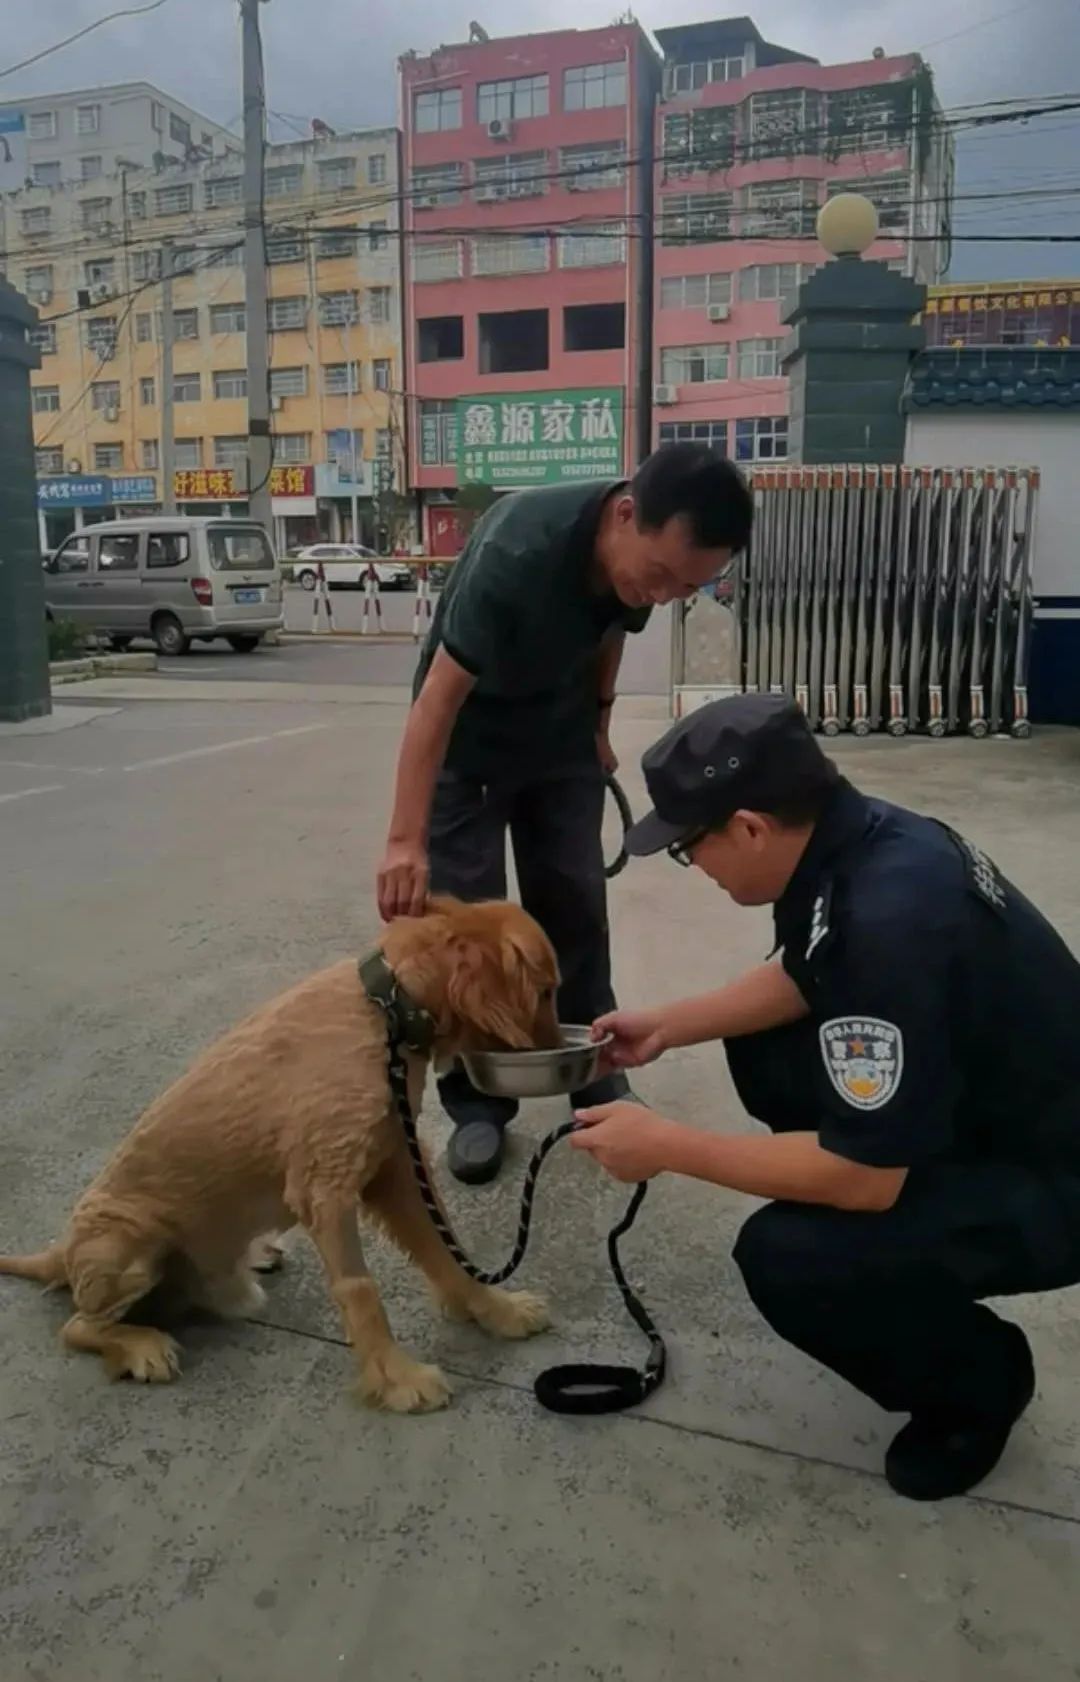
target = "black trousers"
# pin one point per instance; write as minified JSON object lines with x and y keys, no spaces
{"x":893,"y":1301}
{"x":554,"y":823}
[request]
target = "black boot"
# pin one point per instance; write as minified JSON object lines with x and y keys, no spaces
{"x":475,"y":1151}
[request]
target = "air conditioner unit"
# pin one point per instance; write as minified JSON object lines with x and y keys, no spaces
{"x":719,"y":312}
{"x":112,"y":414}
{"x":277,"y":402}
{"x":664,"y":395}
{"x":491,"y":192}
{"x":500,"y":128}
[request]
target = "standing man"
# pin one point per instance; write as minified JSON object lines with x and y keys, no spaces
{"x":914,"y":1049}
{"x":512,"y":706}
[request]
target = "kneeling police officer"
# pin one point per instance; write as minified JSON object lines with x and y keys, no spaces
{"x":914,"y":1046}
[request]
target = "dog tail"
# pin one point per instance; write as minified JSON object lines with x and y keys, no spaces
{"x":47,"y":1267}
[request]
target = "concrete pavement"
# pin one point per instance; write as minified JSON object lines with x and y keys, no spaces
{"x":165,"y":866}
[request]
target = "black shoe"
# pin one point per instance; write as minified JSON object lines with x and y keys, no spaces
{"x":475,"y":1152}
{"x":936,"y":1456}
{"x":609,"y":1089}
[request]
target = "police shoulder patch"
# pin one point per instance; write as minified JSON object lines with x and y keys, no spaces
{"x":864,"y":1059}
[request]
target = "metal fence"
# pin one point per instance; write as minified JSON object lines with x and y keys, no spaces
{"x":882,"y":598}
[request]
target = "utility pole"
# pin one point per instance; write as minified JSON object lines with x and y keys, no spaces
{"x":260,"y":453}
{"x":168,"y":429}
{"x":354,"y":489}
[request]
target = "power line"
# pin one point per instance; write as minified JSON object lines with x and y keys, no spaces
{"x":46,"y":52}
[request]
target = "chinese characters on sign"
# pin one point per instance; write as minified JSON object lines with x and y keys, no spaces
{"x":292,"y":481}
{"x":98,"y":490}
{"x":220,"y":484}
{"x":540,"y":438}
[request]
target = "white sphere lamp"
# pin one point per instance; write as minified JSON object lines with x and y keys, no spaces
{"x":847,"y":225}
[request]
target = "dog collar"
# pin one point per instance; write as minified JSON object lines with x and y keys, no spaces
{"x":405,"y":1020}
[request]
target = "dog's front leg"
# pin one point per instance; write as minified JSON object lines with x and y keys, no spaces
{"x":389,"y":1378}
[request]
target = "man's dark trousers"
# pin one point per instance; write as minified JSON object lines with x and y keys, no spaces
{"x":554,"y":822}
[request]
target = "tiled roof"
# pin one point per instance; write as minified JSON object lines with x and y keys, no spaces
{"x":995,"y":376}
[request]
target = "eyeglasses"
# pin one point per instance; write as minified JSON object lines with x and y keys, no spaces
{"x":682,"y":851}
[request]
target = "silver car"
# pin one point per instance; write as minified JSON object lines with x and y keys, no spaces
{"x":173,"y":580}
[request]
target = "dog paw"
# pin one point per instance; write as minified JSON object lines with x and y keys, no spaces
{"x":266,"y":1255}
{"x":147,"y":1355}
{"x":511,"y":1313}
{"x":401,"y":1385}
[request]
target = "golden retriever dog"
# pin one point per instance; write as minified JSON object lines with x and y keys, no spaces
{"x":289,"y":1120}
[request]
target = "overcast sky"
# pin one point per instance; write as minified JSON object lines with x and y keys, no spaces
{"x":336,"y":59}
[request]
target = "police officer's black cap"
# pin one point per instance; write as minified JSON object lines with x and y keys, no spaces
{"x":746,"y":751}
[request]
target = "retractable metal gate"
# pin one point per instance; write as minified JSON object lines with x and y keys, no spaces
{"x":882,"y":598}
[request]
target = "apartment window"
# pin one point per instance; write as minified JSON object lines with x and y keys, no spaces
{"x":233,"y":451}
{"x":594,"y":327}
{"x":148,"y":391}
{"x":225,"y":189}
{"x":89,"y":169}
{"x":440,"y":338}
{"x":96,"y":214}
{"x":376,"y":169}
{"x":185,"y":324}
{"x":186,"y":388}
{"x":593,"y":248}
{"x":144,"y":328}
{"x":292,"y":446}
{"x":513,"y":341}
{"x":695,"y":291}
{"x":145,"y":266}
{"x":868,"y":119}
{"x":36,"y":221}
{"x":341,"y":379}
{"x":49,"y":461}
{"x":518,"y":175}
{"x":376,"y":233}
{"x":592,"y":168}
{"x":101,"y":336}
{"x":889,"y":194}
{"x":39,"y":279}
{"x":512,"y":100}
{"x":225,"y":256}
{"x":699,"y":140}
{"x":185,"y":259}
{"x":713,"y":433}
{"x":437,"y":110}
{"x":438,"y":432}
{"x":380,"y":373}
{"x":497,"y":254}
{"x":285,"y":248}
{"x":345,"y":451}
{"x":177,"y":200}
{"x":589,"y":87}
{"x":228,"y":318}
{"x":136,"y":203}
{"x":693,"y":364}
{"x":286,"y":182}
{"x":285,"y":315}
{"x":698,"y":73}
{"x":764,"y":438}
{"x":41,"y":125}
{"x":187,"y":453}
{"x":338,"y":309}
{"x":759,"y":359}
{"x":100,"y":272}
{"x":45,"y":175}
{"x":87,"y":119}
{"x":336,"y":174}
{"x":786,"y":123}
{"x":157,"y":116}
{"x":786,"y":209}
{"x":231,"y":382}
{"x":695,"y":218}
{"x":340,"y":242}
{"x":288,"y":382}
{"x":43,"y":338}
{"x":437,"y":184}
{"x":378,"y":305}
{"x":763,"y":282}
{"x":436,"y":259}
{"x":107,"y":457}
{"x":46,"y":399}
{"x":149,"y":455}
{"x":179,"y":130}
{"x":105,"y":394}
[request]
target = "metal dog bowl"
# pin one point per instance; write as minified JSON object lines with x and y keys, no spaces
{"x":538,"y":1074}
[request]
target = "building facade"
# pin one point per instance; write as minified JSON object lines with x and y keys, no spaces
{"x":526,"y":211}
{"x":1003,"y":312}
{"x":96,"y":276}
{"x":751,"y":138}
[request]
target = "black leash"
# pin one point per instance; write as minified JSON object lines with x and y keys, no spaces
{"x":582,"y":1387}
{"x":626,"y":817}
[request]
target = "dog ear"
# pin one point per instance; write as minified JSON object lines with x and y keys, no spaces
{"x":478,"y":992}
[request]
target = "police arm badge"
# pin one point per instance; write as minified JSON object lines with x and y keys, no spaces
{"x":864,"y":1059}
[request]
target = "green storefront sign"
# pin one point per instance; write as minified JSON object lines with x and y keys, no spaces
{"x":540,"y":438}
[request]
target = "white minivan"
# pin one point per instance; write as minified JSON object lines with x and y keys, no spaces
{"x":174,"y":579}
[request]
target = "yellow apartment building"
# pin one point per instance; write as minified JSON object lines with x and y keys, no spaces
{"x":91,"y":257}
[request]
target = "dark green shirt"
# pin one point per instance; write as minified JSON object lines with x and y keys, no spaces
{"x":522,"y":614}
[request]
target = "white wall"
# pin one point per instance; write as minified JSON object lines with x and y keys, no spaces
{"x":966,"y":437}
